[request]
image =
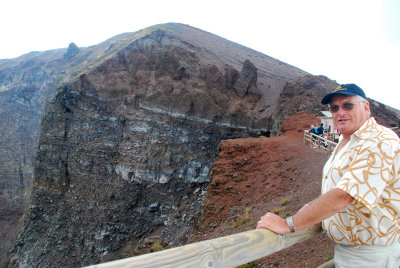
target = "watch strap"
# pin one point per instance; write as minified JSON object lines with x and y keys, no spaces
{"x":290,"y":223}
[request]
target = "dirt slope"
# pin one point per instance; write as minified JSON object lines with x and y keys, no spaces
{"x":253,"y":176}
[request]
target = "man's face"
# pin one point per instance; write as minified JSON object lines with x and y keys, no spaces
{"x":350,"y":121}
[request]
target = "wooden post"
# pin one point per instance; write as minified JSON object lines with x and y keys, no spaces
{"x":311,"y":140}
{"x":228,"y":251}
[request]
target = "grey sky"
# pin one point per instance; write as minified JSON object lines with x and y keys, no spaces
{"x":355,"y":41}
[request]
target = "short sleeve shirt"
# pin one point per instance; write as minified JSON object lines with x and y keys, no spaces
{"x":367,"y":168}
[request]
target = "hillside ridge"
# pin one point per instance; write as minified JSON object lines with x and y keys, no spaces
{"x":107,"y":132}
{"x":95,"y":130}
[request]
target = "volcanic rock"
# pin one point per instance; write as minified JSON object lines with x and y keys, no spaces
{"x":126,"y":144}
{"x":129,"y":134}
{"x":72,"y":51}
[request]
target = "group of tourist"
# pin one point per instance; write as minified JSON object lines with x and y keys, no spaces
{"x":319,"y":130}
{"x":325,"y":131}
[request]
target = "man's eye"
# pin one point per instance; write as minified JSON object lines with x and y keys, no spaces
{"x":334,"y":108}
{"x":347,"y":105}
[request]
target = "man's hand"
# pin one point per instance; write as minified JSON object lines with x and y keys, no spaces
{"x":316,"y":211}
{"x":274,"y":223}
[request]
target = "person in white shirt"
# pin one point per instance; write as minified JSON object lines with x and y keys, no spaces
{"x":360,"y":203}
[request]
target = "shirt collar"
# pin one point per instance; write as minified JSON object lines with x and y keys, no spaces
{"x":364,"y":130}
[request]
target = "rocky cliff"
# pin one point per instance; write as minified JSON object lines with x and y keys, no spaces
{"x":26,"y":84}
{"x":128,"y":170}
{"x":127,"y":141}
{"x":130,"y":136}
{"x":147,"y":59}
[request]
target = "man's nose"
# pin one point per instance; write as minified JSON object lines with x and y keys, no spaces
{"x":341,"y":111}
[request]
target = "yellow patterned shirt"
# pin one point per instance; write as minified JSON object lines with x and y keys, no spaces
{"x":367,"y":168}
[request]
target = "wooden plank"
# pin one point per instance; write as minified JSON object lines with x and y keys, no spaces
{"x":228,"y":251}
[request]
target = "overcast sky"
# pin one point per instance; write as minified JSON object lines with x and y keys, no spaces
{"x":350,"y":41}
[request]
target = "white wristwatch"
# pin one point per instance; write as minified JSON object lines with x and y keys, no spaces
{"x":290,"y":223}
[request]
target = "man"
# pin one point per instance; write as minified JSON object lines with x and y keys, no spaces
{"x":321,"y":130}
{"x":360,"y":202}
{"x":312,"y":130}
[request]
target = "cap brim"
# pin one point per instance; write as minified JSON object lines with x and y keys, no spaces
{"x":327,"y":98}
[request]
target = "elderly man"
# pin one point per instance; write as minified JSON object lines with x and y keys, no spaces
{"x":360,"y":203}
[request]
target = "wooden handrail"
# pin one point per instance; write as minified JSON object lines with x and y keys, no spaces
{"x":318,"y":141}
{"x":227,"y":251}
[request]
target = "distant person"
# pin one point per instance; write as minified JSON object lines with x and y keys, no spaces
{"x":360,"y":202}
{"x":321,"y":130}
{"x":337,"y":135}
{"x":312,"y":129}
{"x":326,"y":137}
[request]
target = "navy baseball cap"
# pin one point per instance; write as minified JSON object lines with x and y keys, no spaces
{"x":346,"y":89}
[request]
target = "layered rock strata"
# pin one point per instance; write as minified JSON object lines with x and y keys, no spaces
{"x":109,"y":171}
{"x":126,"y":144}
{"x":126,"y":147}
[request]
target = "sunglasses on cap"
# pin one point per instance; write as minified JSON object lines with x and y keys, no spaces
{"x":346,"y":106}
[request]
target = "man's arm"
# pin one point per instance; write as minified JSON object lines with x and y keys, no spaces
{"x":320,"y":209}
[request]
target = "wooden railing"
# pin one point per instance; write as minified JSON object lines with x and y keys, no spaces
{"x":318,"y":142}
{"x":228,"y":251}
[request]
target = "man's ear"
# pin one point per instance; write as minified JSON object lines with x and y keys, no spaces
{"x":367,"y":108}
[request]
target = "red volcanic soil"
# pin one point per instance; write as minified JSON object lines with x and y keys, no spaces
{"x":253,"y":176}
